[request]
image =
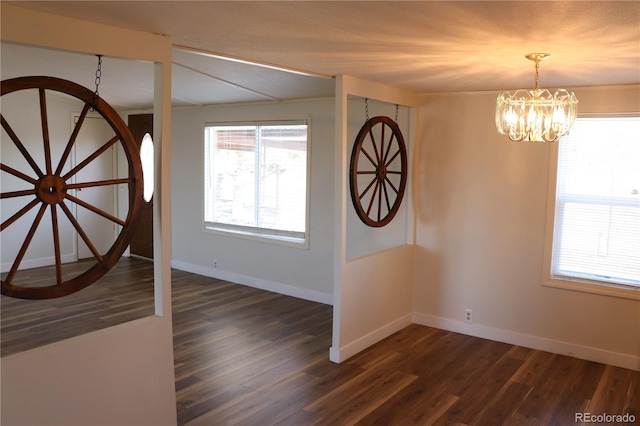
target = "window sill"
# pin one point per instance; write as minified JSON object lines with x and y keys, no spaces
{"x":596,"y":287}
{"x":295,"y":242}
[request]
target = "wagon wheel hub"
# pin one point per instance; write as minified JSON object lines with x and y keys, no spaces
{"x":51,"y":189}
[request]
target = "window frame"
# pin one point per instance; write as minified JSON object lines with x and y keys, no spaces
{"x":265,"y":235}
{"x":606,"y":288}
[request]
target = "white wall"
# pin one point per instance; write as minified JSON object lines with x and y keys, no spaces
{"x":481,"y":208}
{"x":305,"y":273}
{"x":124,"y":374}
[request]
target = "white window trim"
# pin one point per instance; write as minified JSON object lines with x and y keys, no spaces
{"x":572,"y":283}
{"x":259,"y":234}
{"x":251,"y":234}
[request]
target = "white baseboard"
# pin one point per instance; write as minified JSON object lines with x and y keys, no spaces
{"x":534,"y":342}
{"x":343,"y":353}
{"x":38,"y":263}
{"x":301,"y":293}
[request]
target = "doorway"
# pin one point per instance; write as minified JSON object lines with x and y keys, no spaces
{"x":142,"y":241}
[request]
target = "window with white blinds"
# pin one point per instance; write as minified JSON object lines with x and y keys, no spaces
{"x":596,"y":232}
{"x":256,"y":179}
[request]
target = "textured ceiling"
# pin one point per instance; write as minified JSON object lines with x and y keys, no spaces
{"x":426,"y":46}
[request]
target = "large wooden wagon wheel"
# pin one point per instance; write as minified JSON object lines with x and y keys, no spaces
{"x":378,"y":171}
{"x":48,"y":189}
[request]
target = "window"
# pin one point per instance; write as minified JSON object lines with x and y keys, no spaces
{"x":147,"y":160}
{"x":596,"y":222}
{"x":256,"y":179}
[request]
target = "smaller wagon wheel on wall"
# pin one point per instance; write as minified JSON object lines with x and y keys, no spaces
{"x":378,"y":171}
{"x":48,"y":189}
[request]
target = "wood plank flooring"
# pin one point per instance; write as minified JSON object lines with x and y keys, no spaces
{"x":250,"y":357}
{"x":125,"y":293}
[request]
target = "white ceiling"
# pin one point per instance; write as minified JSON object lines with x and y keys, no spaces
{"x":196,"y":79}
{"x":425,"y":46}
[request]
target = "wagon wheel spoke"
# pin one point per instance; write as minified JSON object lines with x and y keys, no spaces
{"x":368,"y":188}
{"x":72,"y":139}
{"x":107,"y":182}
{"x":81,"y":232}
{"x":20,"y":146}
{"x":388,"y":150}
{"x":96,"y":210}
{"x":374,"y":162}
{"x":386,"y":194}
{"x":56,"y":243}
{"x":388,"y":163}
{"x":19,"y":214}
{"x":22,"y":193}
{"x":45,"y":131}
{"x":18,"y":174}
{"x":396,"y":190}
{"x":375,"y":147}
{"x":373,"y":197}
{"x":92,"y":157}
{"x":380,"y":202}
{"x":25,"y":244}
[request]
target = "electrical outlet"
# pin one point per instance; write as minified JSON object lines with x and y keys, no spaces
{"x":215,"y":263}
{"x":468,"y":316}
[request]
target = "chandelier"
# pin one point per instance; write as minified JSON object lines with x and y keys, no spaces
{"x":535,"y":115}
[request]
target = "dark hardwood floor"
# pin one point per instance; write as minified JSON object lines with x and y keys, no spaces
{"x":125,"y":293}
{"x":250,"y":357}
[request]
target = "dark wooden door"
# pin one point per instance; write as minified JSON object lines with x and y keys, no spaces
{"x":142,"y":241}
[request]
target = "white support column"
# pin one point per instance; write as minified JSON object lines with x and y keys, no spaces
{"x":372,"y":294}
{"x":340,"y":202}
